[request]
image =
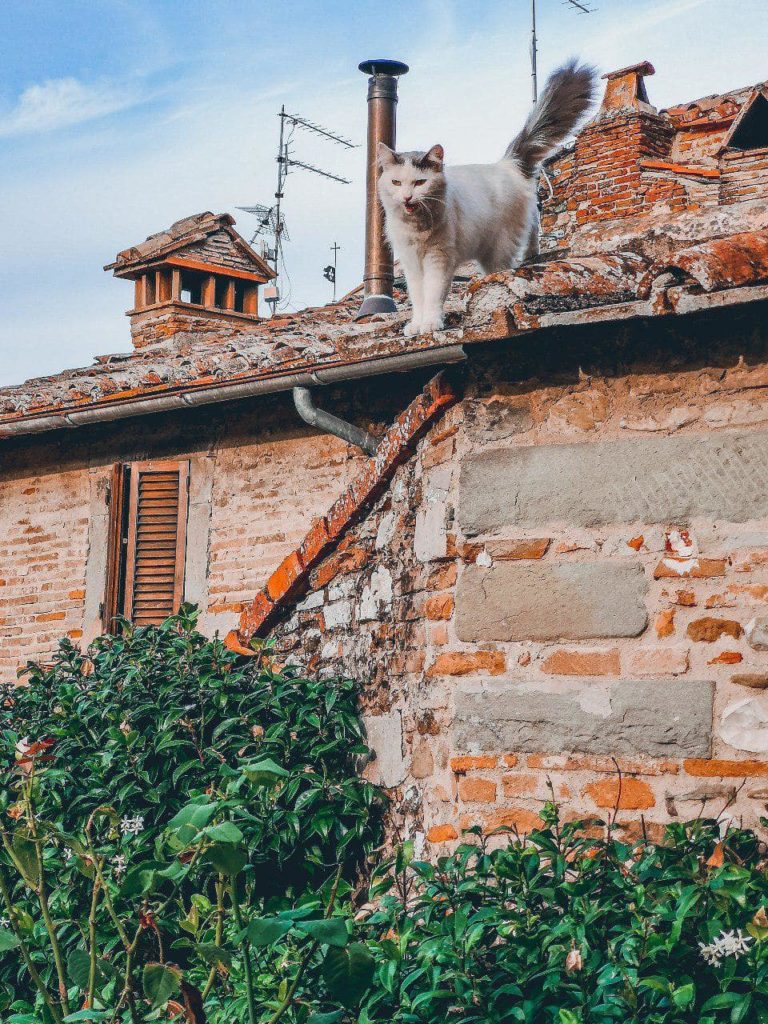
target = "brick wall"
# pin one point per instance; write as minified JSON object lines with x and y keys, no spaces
{"x":270,"y":476}
{"x":570,"y":572}
{"x":43,"y":549}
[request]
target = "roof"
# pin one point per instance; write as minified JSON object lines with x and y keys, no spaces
{"x":684,"y":274}
{"x":675,"y":255}
{"x":191,"y":234}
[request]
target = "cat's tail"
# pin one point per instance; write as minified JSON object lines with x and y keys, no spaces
{"x":566,"y":98}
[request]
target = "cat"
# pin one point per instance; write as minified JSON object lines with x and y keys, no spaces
{"x":437,"y":217}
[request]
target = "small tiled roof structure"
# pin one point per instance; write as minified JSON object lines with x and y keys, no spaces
{"x":207,"y":237}
{"x":645,"y":215}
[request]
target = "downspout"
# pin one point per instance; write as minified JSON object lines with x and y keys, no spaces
{"x":326,"y":421}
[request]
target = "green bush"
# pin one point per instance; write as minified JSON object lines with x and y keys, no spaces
{"x":158,"y":795}
{"x":564,"y":928}
{"x":183,"y":834}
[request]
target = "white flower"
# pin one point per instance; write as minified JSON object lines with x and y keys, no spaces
{"x":118,"y":864}
{"x":734,"y":943}
{"x":4,"y":922}
{"x":132,"y":826}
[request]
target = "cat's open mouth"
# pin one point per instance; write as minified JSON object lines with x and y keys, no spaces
{"x":409,"y":207}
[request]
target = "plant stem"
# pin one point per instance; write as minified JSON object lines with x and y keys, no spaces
{"x":92,"y":942}
{"x":33,"y":972}
{"x":42,"y":896}
{"x":246,"y":946}
{"x":219,"y":933}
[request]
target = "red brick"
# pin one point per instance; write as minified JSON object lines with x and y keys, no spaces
{"x":665,"y":623}
{"x":727,"y":658}
{"x":725,"y":769}
{"x":287,"y":578}
{"x":604,"y":765}
{"x":689,"y":568}
{"x":510,"y":550}
{"x":519,"y":819}
{"x":316,"y":543}
{"x":440,"y":606}
{"x":630,"y":794}
{"x":476,"y":791}
{"x":256,"y":614}
{"x":442,"y":834}
{"x":463,"y":663}
{"x":467,"y":763}
{"x":582,"y":663}
{"x":709,"y":629}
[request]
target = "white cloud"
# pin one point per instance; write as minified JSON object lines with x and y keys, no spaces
{"x":61,"y":102}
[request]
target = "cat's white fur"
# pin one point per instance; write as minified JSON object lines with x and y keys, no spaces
{"x":438,"y":217}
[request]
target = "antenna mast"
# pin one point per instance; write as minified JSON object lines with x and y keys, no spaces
{"x":271,"y":220}
{"x":577,"y":5}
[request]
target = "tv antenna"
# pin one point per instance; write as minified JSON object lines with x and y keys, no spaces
{"x":271,"y":221}
{"x":577,"y":5}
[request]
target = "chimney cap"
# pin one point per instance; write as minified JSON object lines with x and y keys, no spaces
{"x":642,"y":69}
{"x":382,"y":66}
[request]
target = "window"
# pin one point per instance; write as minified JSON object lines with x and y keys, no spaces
{"x":192,"y":287}
{"x":751,"y":129}
{"x":146,"y":547}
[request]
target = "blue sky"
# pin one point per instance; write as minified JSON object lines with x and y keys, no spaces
{"x":117,"y":117}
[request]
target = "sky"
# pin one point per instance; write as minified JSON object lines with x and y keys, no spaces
{"x":118,"y":117}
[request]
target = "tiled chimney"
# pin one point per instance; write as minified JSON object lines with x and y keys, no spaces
{"x":199,"y":274}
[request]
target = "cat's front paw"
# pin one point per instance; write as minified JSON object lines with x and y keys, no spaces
{"x":432,"y":323}
{"x":412,"y":328}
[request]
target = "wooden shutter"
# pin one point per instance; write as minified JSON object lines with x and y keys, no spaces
{"x":117,"y":539}
{"x":157,"y":526}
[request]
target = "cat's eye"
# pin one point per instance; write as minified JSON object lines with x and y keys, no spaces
{"x":395,"y":181}
{"x":420,"y":181}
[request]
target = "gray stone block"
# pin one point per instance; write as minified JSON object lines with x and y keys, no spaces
{"x":651,"y":480}
{"x":550,"y":601}
{"x":661,"y":717}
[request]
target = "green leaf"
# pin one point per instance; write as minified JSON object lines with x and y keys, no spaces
{"x":348,"y":973}
{"x":160,"y":982}
{"x":214,"y":955}
{"x":226,"y":832}
{"x":264,"y":931}
{"x":7,"y":940}
{"x":331,"y":932}
{"x":85,"y":1015}
{"x":723,"y":1000}
{"x":684,"y":996}
{"x":226,"y":858}
{"x":334,"y":1017}
{"x":79,"y":968}
{"x":265,"y":772}
{"x":25,"y":853}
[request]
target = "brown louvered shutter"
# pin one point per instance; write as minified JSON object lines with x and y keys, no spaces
{"x":157,"y":524}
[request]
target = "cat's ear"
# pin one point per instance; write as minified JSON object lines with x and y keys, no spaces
{"x":384,"y":155}
{"x":436,"y":155}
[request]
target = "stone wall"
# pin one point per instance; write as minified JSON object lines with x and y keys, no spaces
{"x":570,"y":577}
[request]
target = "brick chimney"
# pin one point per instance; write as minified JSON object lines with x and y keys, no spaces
{"x":605,"y":177}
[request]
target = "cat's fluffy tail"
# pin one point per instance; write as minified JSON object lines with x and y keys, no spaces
{"x":567,"y":96}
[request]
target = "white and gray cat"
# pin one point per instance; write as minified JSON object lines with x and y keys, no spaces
{"x":437,"y":217}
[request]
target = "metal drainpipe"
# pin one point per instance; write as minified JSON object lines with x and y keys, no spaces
{"x":309,"y":412}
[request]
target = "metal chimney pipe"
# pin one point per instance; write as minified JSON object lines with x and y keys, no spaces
{"x":379,"y":264}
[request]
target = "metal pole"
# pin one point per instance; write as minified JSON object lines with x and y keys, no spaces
{"x":282,"y":170}
{"x":534,"y":87}
{"x":335,"y":248}
{"x":379,"y":274}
